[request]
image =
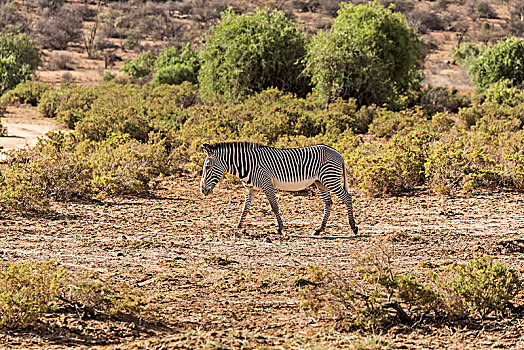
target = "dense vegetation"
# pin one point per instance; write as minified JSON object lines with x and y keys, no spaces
{"x":125,"y":134}
{"x":245,"y":54}
{"x":369,"y":53}
{"x":19,"y":57}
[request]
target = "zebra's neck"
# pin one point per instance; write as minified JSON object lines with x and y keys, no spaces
{"x":237,"y":157}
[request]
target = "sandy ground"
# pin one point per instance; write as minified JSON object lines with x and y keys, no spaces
{"x":213,"y":285}
{"x":24,"y":126}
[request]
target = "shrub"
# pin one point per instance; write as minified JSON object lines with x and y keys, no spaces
{"x":59,"y":61}
{"x":141,"y":67}
{"x":26,"y":92}
{"x":369,"y":54}
{"x":467,"y":53}
{"x":61,"y":167}
{"x":391,"y":168}
{"x":379,"y":295}
{"x":246,"y":54}
{"x":460,"y":163}
{"x":485,"y":286}
{"x":501,"y":61}
{"x":19,"y":57}
{"x":388,"y":123}
{"x":30,"y":290}
{"x":51,"y":100}
{"x":11,"y":21}
{"x":174,"y":75}
{"x":56,"y":29}
{"x":481,"y":9}
{"x":441,"y":99}
{"x":27,"y":291}
{"x":175,"y":68}
{"x":75,"y":102}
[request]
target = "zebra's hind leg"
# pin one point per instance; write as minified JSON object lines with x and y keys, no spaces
{"x":270,"y":194}
{"x":336,"y":188}
{"x":250,"y":194}
{"x":327,"y":202}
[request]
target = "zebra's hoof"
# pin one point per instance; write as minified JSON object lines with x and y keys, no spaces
{"x":355,"y":230}
{"x":317,"y":231}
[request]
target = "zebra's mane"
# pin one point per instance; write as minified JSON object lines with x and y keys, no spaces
{"x":228,"y":144}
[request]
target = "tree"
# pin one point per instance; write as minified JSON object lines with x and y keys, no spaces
{"x":370,"y":53}
{"x":503,"y":61}
{"x":19,"y":57}
{"x":248,"y":53}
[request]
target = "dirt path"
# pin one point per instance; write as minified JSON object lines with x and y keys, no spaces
{"x":213,"y":284}
{"x":24,"y":126}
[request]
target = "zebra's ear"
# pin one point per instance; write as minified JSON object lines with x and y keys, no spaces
{"x":206,"y":147}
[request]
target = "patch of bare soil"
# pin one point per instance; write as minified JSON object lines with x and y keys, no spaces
{"x":24,"y":126}
{"x":214,"y":285}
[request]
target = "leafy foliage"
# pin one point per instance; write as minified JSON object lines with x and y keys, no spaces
{"x":141,"y":67}
{"x":505,"y":60}
{"x":245,"y":54}
{"x":369,"y":54}
{"x":19,"y":57}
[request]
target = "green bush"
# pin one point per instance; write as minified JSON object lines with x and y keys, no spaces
{"x":485,"y":286}
{"x":505,"y":60}
{"x":174,"y":66}
{"x":389,"y":123}
{"x":467,"y":53}
{"x":141,"y":67}
{"x":393,"y":167}
{"x":369,"y":54}
{"x":174,"y":75}
{"x":28,"y":290}
{"x":26,"y":92}
{"x":441,"y":99}
{"x":245,"y":54}
{"x":19,"y":57}
{"x":380,"y":296}
{"x":51,"y":100}
{"x":462,"y":163}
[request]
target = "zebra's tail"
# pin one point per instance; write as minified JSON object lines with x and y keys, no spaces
{"x":344,"y":175}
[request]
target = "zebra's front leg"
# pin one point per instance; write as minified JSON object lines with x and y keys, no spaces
{"x":327,"y":202}
{"x":250,"y":194}
{"x":270,"y":194}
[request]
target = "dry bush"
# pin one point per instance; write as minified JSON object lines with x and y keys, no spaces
{"x":425,"y":21}
{"x":52,"y":5}
{"x":11,"y":21}
{"x":56,"y":29}
{"x":30,"y":290}
{"x":481,"y":9}
{"x":67,"y":78}
{"x":381,"y":295}
{"x":205,"y":11}
{"x":59,"y":61}
{"x":515,"y":24}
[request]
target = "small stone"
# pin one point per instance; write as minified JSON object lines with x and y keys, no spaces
{"x":119,"y":254}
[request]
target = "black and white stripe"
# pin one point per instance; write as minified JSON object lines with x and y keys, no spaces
{"x":263,"y":168}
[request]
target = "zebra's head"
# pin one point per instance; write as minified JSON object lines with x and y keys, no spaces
{"x":213,"y":169}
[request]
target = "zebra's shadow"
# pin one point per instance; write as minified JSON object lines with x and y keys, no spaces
{"x":329,"y":238}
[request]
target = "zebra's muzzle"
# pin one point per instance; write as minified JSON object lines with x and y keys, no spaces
{"x":206,"y":191}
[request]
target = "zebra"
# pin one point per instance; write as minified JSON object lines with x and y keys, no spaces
{"x":266,"y":169}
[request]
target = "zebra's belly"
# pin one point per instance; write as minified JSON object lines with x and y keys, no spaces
{"x":292,"y":186}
